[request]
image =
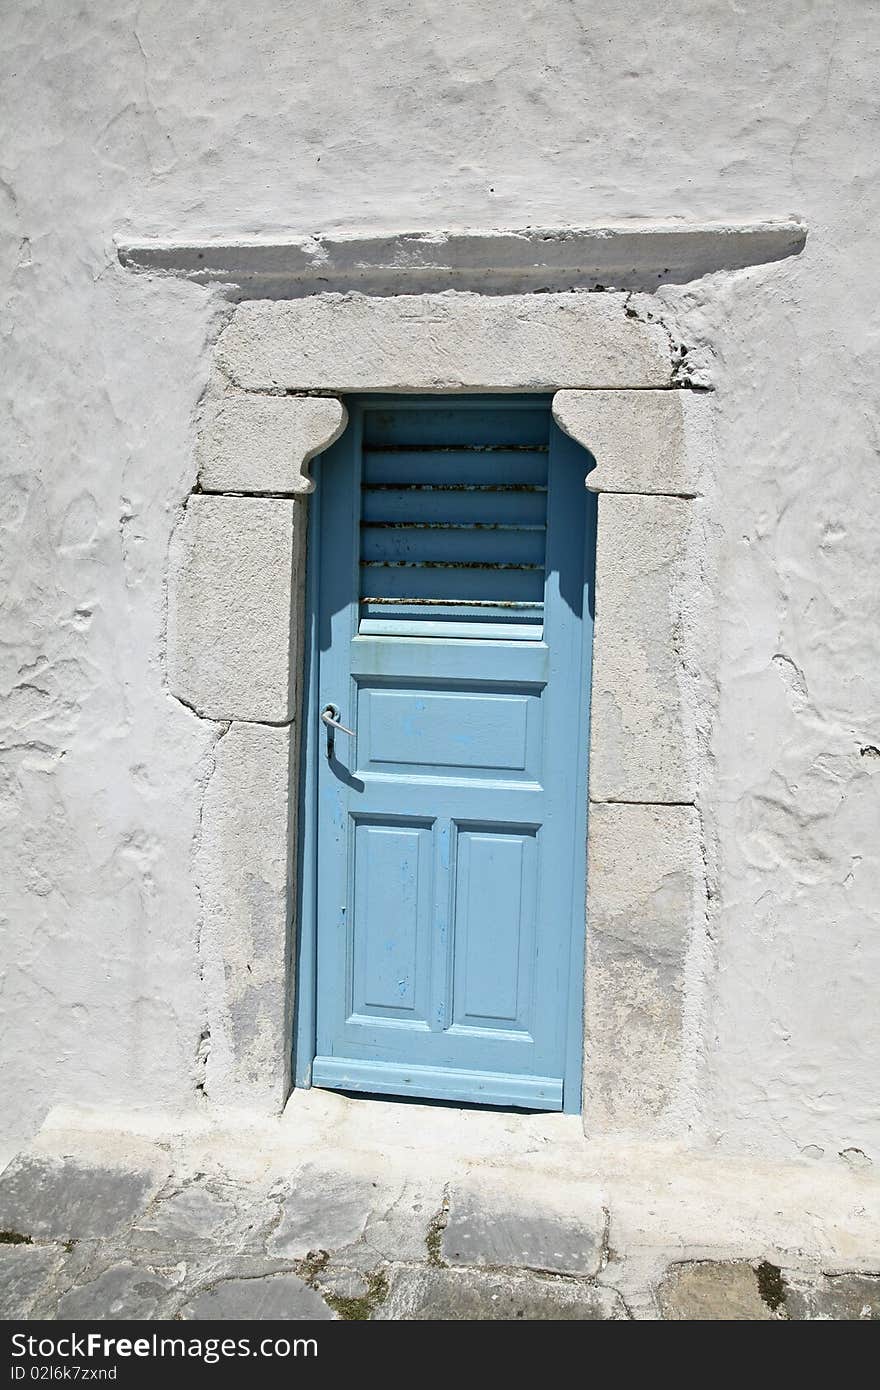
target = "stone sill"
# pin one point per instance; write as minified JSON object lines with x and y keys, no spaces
{"x":627,"y":256}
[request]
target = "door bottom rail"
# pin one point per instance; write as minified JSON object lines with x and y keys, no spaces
{"x":438,"y":1083}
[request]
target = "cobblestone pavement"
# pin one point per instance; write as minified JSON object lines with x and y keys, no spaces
{"x":85,"y":1240}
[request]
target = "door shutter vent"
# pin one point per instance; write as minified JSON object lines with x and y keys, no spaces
{"x":453,"y":519}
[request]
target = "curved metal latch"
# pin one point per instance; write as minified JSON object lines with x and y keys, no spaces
{"x":330,"y":720}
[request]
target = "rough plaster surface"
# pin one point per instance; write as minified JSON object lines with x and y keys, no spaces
{"x":639,"y":749}
{"x":232,"y":634}
{"x":161,"y":120}
{"x":263,"y":443}
{"x":452,"y":341}
{"x":646,"y":902}
{"x":642,"y":441}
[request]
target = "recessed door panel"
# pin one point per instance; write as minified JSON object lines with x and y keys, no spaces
{"x":451,"y":643}
{"x":464,"y":733}
{"x":494,"y":928}
{"x":391,"y":927}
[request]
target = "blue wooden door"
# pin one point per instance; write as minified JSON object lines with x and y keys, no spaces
{"x":453,"y":632}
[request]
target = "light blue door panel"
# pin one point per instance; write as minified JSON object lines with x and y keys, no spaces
{"x":439,"y":1083}
{"x":466,"y":660}
{"x":495,"y":902}
{"x":449,"y":832}
{"x":431,"y":731}
{"x":391,"y":896}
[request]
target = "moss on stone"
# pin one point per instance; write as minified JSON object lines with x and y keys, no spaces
{"x":434,"y":1238}
{"x":315,"y":1262}
{"x":361,"y":1308}
{"x":771,"y":1285}
{"x":14,"y":1238}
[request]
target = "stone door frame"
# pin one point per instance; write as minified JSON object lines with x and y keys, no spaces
{"x":236,"y":593}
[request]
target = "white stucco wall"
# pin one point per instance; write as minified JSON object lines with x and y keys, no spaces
{"x":215,"y":119}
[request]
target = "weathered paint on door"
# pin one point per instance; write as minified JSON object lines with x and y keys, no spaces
{"x":453,"y":631}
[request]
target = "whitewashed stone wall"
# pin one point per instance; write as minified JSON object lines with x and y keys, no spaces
{"x":206,"y":121}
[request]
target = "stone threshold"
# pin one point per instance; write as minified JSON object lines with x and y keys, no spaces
{"x":355,"y":1209}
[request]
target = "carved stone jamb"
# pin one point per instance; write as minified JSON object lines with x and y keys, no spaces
{"x":263,"y":443}
{"x":646,"y":892}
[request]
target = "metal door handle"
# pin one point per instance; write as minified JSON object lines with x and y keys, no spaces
{"x":330,"y":720}
{"x":330,"y":717}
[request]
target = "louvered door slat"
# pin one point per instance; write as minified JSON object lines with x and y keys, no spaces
{"x":500,"y":467}
{"x":492,"y":426}
{"x":453,"y":514}
{"x":460,"y":544}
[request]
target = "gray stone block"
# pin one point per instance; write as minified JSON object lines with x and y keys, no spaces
{"x":25,"y":1274}
{"x":642,"y":441}
{"x":639,"y":750}
{"x":469,"y":1295}
{"x":516,"y":260}
{"x":245,"y":881}
{"x":323,"y":1211}
{"x":646,"y":897}
{"x":59,"y":1199}
{"x":201,"y":1217}
{"x":452,"y":341}
{"x":234,"y":602}
{"x":487,"y":1228}
{"x":834,"y":1297}
{"x":125,"y":1290}
{"x":276,"y":1296}
{"x":725,"y":1291}
{"x":398,"y":1230}
{"x":263,"y":443}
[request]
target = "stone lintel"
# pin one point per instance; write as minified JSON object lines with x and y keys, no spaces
{"x":442,"y":342}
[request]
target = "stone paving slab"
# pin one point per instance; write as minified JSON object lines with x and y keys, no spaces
{"x":284,"y":1296}
{"x":80,"y":1241}
{"x":58,"y":1199}
{"x":735,"y":1290}
{"x":835,"y":1297}
{"x":494,"y":1230}
{"x":323,"y":1211}
{"x":727,"y":1291}
{"x":204,"y":1214}
{"x":471,"y":1295}
{"x":125,"y":1290}
{"x":401,"y":1227}
{"x":25,"y":1273}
